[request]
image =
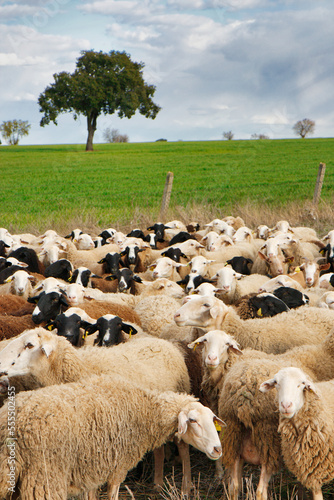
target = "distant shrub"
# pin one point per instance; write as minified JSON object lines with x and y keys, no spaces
{"x":113,"y":135}
{"x":228,"y":135}
{"x":259,"y":136}
{"x":161,"y":140}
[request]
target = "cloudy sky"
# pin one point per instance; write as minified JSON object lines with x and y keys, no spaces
{"x":249,"y":66}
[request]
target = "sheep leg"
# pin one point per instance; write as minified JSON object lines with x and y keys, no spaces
{"x":186,"y":468}
{"x":236,"y":478}
{"x":159,"y":456}
{"x":262,"y":489}
{"x":92,"y":495}
{"x":219,"y":468}
{"x":112,"y":491}
{"x":317,"y":495}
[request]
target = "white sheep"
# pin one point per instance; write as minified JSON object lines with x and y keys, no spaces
{"x":306,"y":426}
{"x":221,"y":226}
{"x":281,"y":280}
{"x":49,"y":284}
{"x":105,"y":426}
{"x":51,"y":252}
{"x":84,"y":241}
{"x":253,"y":416}
{"x":243,"y":233}
{"x":147,"y":362}
{"x":200,"y":265}
{"x":19,"y":283}
{"x":190,"y":248}
{"x":234,"y":285}
{"x":326,"y":300}
{"x":214,"y":241}
{"x":305,"y":325}
{"x":166,"y":268}
{"x":206,"y":289}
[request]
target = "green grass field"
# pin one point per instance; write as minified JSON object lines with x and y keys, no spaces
{"x":43,"y":186}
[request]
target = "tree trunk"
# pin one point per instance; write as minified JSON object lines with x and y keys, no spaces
{"x":91,"y":125}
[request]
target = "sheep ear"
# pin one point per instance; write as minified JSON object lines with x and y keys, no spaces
{"x":214,"y":312}
{"x":195,"y":343}
{"x":8,"y":280}
{"x":47,"y":348}
{"x":309,"y":386}
{"x":186,"y":299}
{"x":263,"y":256}
{"x":90,"y":328}
{"x":234,"y":348}
{"x":267,"y":385}
{"x":182,"y":423}
{"x":131,"y":330}
{"x":218,"y":423}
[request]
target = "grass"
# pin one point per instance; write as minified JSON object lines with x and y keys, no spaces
{"x":120,"y":184}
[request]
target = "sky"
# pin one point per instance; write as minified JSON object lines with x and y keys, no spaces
{"x":246,"y":66}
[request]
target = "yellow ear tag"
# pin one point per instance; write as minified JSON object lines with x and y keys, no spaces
{"x":8,"y":280}
{"x":297,"y":270}
{"x":85,"y":335}
{"x":218,"y":427}
{"x":259,"y":312}
{"x":151,"y":268}
{"x":196,"y":346}
{"x":130,"y":333}
{"x":226,"y":264}
{"x":50,"y":327}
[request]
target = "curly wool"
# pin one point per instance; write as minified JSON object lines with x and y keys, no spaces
{"x":125,"y":423}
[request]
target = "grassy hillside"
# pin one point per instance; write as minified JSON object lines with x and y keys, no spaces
{"x":44,"y":186}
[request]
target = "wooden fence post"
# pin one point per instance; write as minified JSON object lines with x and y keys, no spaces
{"x":166,"y":195}
{"x":318,"y":186}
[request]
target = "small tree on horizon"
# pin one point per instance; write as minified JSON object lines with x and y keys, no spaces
{"x":304,"y":127}
{"x":259,"y":136}
{"x":13,"y":130}
{"x":113,"y":135}
{"x":228,"y":135}
{"x":102,"y":83}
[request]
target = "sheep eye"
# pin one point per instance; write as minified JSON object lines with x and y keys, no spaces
{"x":206,"y":305}
{"x":192,"y":421}
{"x":29,"y":345}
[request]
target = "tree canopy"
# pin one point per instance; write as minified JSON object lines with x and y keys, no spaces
{"x":304,"y":127}
{"x":13,"y":130}
{"x":103,"y":83}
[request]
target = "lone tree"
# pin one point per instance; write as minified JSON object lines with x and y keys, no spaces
{"x":304,"y":127}
{"x":102,"y":83}
{"x":13,"y":130}
{"x":228,"y":135}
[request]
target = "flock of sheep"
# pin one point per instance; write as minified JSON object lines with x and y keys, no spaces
{"x":111,"y":345}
